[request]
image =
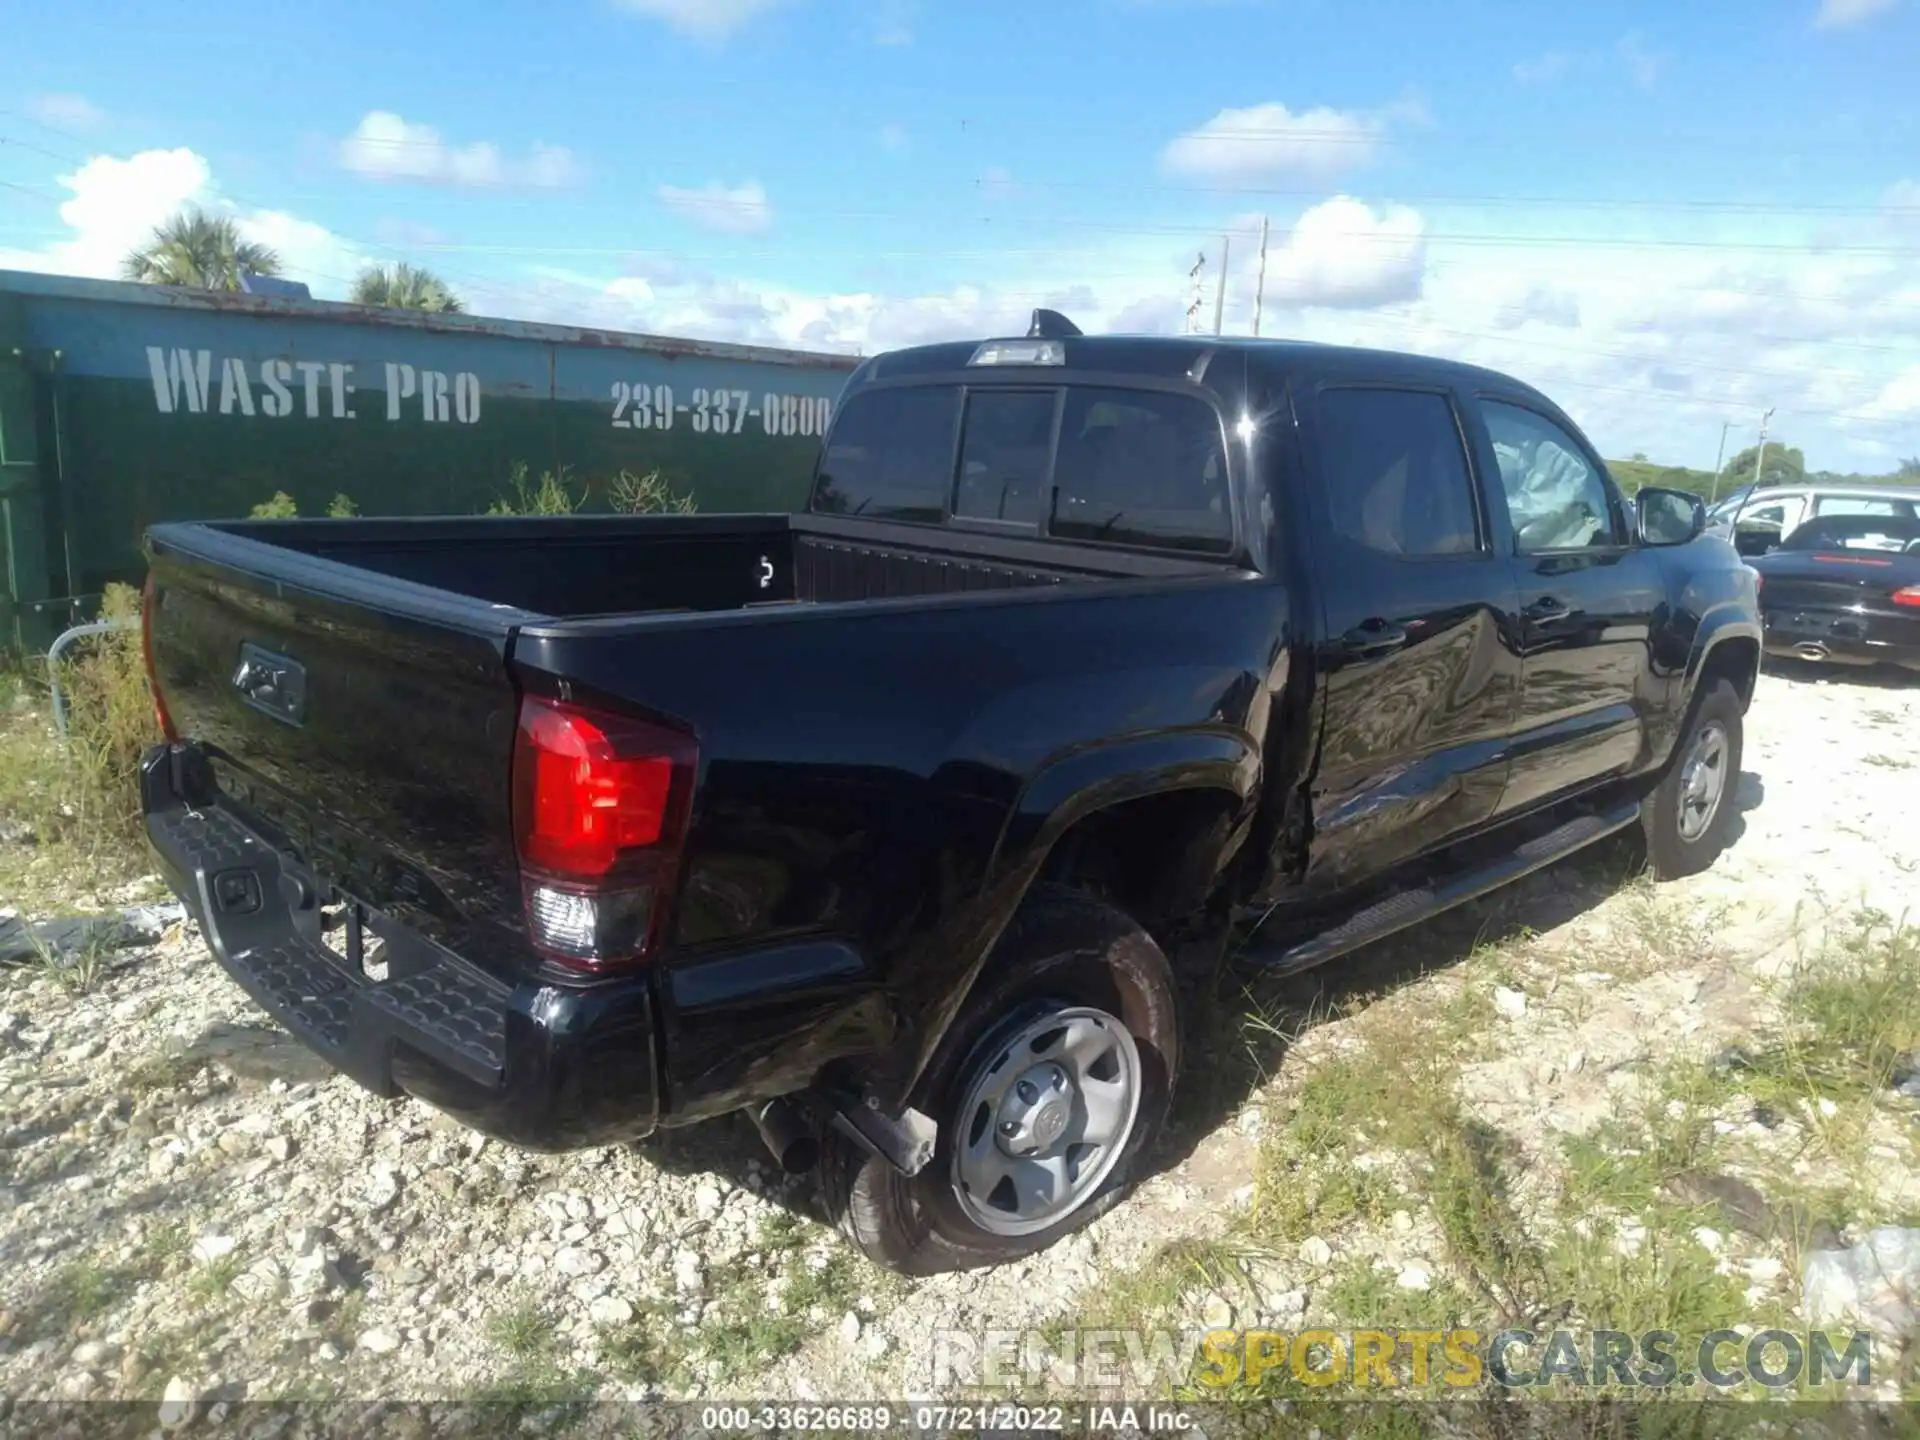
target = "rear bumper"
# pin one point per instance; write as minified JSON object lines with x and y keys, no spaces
{"x":543,"y":1066}
{"x":1842,"y":637}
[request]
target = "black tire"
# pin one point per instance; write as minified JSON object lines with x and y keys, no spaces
{"x":1063,"y":947}
{"x":1671,"y":852}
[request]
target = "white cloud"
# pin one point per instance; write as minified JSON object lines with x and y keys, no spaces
{"x":1837,"y":14}
{"x":710,"y":20}
{"x":1343,"y":255}
{"x":114,"y":206}
{"x":385,"y":146}
{"x":65,"y":111}
{"x":1649,"y":348}
{"x":116,"y":203}
{"x":1643,"y":65}
{"x":1542,"y":69}
{"x":732,"y":210}
{"x":1260,"y":142}
{"x":1899,"y":399}
{"x":308,"y":251}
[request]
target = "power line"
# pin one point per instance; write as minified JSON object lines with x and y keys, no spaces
{"x":1402,"y":322}
{"x":1408,"y":329}
{"x":1738,"y":207}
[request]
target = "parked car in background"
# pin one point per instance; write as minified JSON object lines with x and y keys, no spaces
{"x":1845,"y":589}
{"x":1757,"y":519}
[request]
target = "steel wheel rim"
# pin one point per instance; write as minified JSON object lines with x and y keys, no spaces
{"x":1049,"y":1103}
{"x":1703,"y":780}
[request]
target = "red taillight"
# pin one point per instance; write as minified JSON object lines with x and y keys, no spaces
{"x":1909,"y":596}
{"x":600,"y":806}
{"x":149,"y":602}
{"x":585,"y":801}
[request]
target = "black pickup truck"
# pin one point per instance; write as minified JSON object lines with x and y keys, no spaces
{"x":881,"y":822}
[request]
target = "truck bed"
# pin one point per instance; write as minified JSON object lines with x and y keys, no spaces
{"x":347,"y":695}
{"x":598,"y":566}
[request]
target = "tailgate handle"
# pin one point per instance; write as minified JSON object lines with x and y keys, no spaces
{"x":273,"y":684}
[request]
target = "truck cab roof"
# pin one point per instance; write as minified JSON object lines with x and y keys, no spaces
{"x":1194,"y":358}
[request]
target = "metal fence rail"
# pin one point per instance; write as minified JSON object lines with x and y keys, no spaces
{"x":59,"y":646}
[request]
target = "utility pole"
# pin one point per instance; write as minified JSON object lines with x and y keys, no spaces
{"x":1733,"y":527}
{"x":1193,"y":276}
{"x":1760,"y":459}
{"x":1260,"y":285}
{"x":1220,"y":291}
{"x":1719,"y":458}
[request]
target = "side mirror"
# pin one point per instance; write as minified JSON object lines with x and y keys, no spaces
{"x":1669,"y":517}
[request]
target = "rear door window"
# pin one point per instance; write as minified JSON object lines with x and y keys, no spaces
{"x":890,"y":456}
{"x":1395,"y":472}
{"x":1139,"y":467}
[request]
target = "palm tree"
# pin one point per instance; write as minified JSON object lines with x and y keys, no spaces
{"x":405,"y":287}
{"x":199,"y":250}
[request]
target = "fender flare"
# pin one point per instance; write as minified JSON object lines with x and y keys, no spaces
{"x":1076,"y":783}
{"x":1065,"y":788}
{"x":1716,"y":628}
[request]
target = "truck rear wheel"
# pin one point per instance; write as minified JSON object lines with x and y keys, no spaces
{"x":1052,"y":1082}
{"x":1687,"y":817}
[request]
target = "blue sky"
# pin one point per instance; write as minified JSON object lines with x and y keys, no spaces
{"x":1669,"y":216}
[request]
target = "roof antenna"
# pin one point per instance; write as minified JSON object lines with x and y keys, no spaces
{"x":1051,"y":325}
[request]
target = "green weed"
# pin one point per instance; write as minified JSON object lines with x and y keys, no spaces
{"x":552,"y":494}
{"x":647,"y":494}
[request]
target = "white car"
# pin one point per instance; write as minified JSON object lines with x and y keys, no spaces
{"x":1757,"y":519}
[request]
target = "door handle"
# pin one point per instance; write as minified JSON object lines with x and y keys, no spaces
{"x":1546,"y":608}
{"x":1373,"y":637}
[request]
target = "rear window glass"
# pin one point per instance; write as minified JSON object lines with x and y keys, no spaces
{"x":1861,"y":505}
{"x":1137,"y":467}
{"x":890,"y":456}
{"x":1004,"y":452}
{"x":1131,"y":467}
{"x":1856,"y":532}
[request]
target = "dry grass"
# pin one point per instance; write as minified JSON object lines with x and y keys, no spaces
{"x":1628,"y":1227}
{"x":74,"y":808}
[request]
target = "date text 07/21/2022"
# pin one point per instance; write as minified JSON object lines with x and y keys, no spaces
{"x":958,"y":1418}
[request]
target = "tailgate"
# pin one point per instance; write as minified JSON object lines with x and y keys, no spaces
{"x":364,"y":723}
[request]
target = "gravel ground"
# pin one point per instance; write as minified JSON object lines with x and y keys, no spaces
{"x":192,"y":1205}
